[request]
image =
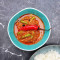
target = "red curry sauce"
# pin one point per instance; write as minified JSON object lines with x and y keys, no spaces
{"x":31,"y":36}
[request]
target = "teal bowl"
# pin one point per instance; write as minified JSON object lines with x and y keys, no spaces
{"x":10,"y":29}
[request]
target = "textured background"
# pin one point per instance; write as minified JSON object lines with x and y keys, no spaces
{"x":9,"y":7}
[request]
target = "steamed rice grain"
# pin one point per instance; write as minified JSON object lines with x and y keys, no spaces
{"x":51,"y":55}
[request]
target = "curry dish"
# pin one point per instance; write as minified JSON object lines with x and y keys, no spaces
{"x":26,"y":29}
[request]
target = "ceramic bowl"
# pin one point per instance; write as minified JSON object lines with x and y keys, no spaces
{"x":45,"y":50}
{"x":11,"y":29}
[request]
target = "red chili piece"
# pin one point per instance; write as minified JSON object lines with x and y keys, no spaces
{"x":32,"y":27}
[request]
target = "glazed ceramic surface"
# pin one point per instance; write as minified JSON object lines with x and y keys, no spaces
{"x":45,"y":50}
{"x":11,"y":29}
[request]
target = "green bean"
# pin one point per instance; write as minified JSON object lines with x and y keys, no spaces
{"x":23,"y":22}
{"x":19,"y":32}
{"x":27,"y":35}
{"x":33,"y":18}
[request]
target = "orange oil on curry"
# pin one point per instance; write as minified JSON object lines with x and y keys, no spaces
{"x":37,"y":34}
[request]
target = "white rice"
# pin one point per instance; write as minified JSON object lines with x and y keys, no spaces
{"x":51,"y":55}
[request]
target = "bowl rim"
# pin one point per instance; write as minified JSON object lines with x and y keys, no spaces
{"x":36,"y":53}
{"x":16,"y":14}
